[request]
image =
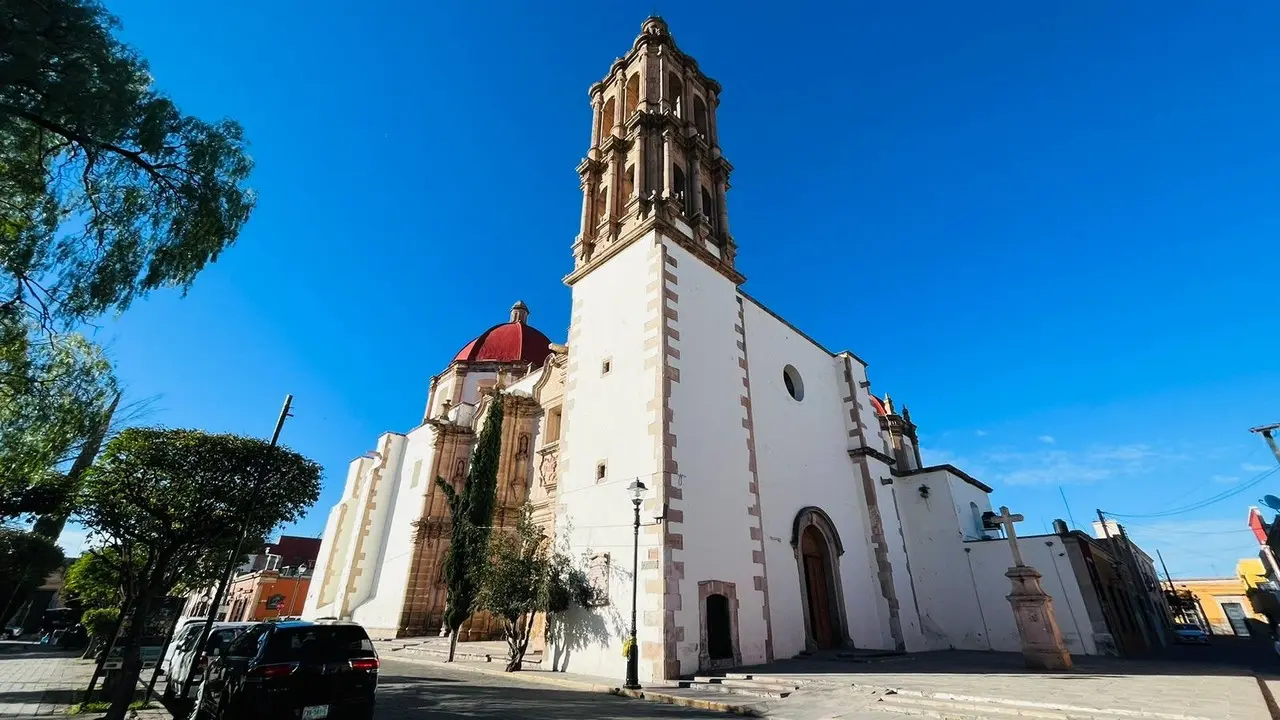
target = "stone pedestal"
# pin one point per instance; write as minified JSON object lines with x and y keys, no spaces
{"x":1042,"y":644}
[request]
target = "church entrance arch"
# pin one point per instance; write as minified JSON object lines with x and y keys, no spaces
{"x":818,"y":549}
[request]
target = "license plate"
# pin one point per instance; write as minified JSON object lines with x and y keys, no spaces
{"x":315,"y":712}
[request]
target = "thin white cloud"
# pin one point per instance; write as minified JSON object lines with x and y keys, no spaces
{"x":1225,"y":479}
{"x":980,"y":433}
{"x":1046,"y":439}
{"x":1255,"y":467}
{"x":1059,"y":466}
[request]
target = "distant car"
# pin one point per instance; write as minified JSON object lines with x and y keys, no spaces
{"x":188,"y":661}
{"x":303,"y":670}
{"x":1190,"y":634}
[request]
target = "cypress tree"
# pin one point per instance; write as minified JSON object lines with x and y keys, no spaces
{"x":472,"y":514}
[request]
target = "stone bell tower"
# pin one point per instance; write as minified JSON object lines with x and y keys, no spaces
{"x":654,"y":159}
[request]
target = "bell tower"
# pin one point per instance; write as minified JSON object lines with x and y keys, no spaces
{"x":654,"y":160}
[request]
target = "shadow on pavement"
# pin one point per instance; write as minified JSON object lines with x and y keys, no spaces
{"x":32,"y":651}
{"x":407,"y":696}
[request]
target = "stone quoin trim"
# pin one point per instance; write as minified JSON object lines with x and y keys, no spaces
{"x":880,"y":548}
{"x":660,"y":338}
{"x":756,"y":535}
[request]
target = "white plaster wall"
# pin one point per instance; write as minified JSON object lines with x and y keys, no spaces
{"x":350,"y":510}
{"x":381,"y":610}
{"x":712,"y":454}
{"x":312,"y":607}
{"x":992,"y":558}
{"x":375,"y":592}
{"x":948,"y":607}
{"x":606,"y":418}
{"x":964,"y":493}
{"x":802,"y":457}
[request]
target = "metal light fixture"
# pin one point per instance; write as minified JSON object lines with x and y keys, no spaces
{"x":637,"y":490}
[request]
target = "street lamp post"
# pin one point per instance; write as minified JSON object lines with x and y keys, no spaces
{"x":637,"y":489}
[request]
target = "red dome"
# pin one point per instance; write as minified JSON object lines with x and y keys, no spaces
{"x":877,"y":406}
{"x":513,"y":341}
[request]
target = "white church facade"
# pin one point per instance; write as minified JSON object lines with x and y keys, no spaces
{"x":787,"y":508}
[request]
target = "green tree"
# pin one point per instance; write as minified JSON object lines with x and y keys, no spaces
{"x":95,"y":579}
{"x":166,"y":501}
{"x":107,"y":190}
{"x":524,"y":577}
{"x":26,"y":559}
{"x":471,"y":511}
{"x":55,"y":396}
{"x":100,"y":623}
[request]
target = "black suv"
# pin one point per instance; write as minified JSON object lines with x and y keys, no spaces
{"x":297,"y":670}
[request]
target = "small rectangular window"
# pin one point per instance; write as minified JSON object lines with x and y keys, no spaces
{"x":600,"y":471}
{"x":605,"y":366}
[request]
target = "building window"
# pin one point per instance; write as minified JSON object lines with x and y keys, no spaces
{"x":553,"y":426}
{"x":607,"y":122}
{"x":629,"y":182}
{"x":795,"y":386}
{"x":633,"y":95}
{"x":601,"y":470}
{"x":605,"y":366}
{"x":676,"y":88}
{"x":680,"y":190}
{"x":708,"y":208}
{"x":700,"y":117}
{"x":602,"y":204}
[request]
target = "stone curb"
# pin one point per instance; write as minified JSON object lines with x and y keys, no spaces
{"x":648,"y":695}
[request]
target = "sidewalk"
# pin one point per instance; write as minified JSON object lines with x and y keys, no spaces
{"x":1097,"y":687}
{"x":472,"y":660}
{"x":38,"y":682}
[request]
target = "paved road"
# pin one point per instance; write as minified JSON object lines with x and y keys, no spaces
{"x":408,"y":690}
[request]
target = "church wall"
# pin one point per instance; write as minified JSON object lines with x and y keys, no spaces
{"x":382,"y":610}
{"x":332,"y":589}
{"x":802,"y":459}
{"x":962,"y":494}
{"x":312,"y":606}
{"x":607,"y":419}
{"x":992,"y":558}
{"x":720,"y":531}
{"x":374,"y":589}
{"x":947,"y":604}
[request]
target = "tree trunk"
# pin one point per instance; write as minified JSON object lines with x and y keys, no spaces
{"x":517,"y":633}
{"x":453,"y":643}
{"x":122,"y":696}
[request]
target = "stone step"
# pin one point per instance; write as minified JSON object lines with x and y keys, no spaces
{"x":737,"y":687}
{"x":795,"y":682}
{"x":742,"y":680}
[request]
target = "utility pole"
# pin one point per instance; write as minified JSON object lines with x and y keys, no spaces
{"x":233,"y":556}
{"x":1268,"y":434}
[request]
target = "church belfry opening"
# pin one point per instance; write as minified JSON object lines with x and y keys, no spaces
{"x":654,"y":159}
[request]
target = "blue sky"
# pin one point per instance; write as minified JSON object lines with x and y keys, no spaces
{"x":1048,"y":227}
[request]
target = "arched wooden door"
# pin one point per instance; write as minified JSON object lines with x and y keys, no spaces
{"x":817,"y":582}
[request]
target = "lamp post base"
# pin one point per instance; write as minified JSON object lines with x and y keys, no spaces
{"x":633,"y":671}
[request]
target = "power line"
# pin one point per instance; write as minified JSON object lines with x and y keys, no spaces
{"x":1229,"y":493}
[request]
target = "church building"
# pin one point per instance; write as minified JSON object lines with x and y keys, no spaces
{"x":784,"y":507}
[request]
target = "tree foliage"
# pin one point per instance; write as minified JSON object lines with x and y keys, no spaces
{"x":100,"y":622}
{"x":166,"y":503}
{"x":95,"y":579}
{"x":523,"y":577}
{"x":107,"y":190}
{"x":55,"y":391}
{"x":471,"y":511}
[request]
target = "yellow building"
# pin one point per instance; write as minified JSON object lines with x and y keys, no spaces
{"x":1225,"y":601}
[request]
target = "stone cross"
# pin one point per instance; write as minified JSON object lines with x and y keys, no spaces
{"x":1007,"y":519}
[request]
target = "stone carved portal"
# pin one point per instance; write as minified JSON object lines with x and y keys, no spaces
{"x":718,"y":607}
{"x":818,"y":549}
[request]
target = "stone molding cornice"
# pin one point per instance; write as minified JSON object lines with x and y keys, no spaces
{"x":946,"y":468}
{"x":873,"y":453}
{"x":669,"y":231}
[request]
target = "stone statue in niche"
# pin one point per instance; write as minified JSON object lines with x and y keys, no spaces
{"x":598,"y":577}
{"x":522,"y":447}
{"x":459,"y":470}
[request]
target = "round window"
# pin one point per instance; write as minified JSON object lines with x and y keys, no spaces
{"x":795,"y":386}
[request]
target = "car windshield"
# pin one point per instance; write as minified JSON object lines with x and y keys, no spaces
{"x":222,"y":638}
{"x":323,"y":643}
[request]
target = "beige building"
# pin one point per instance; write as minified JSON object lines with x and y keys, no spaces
{"x":1225,"y":602}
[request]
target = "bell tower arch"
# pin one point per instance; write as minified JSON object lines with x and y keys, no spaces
{"x":654,"y":159}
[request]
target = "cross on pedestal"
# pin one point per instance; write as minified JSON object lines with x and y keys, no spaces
{"x":1007,"y":519}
